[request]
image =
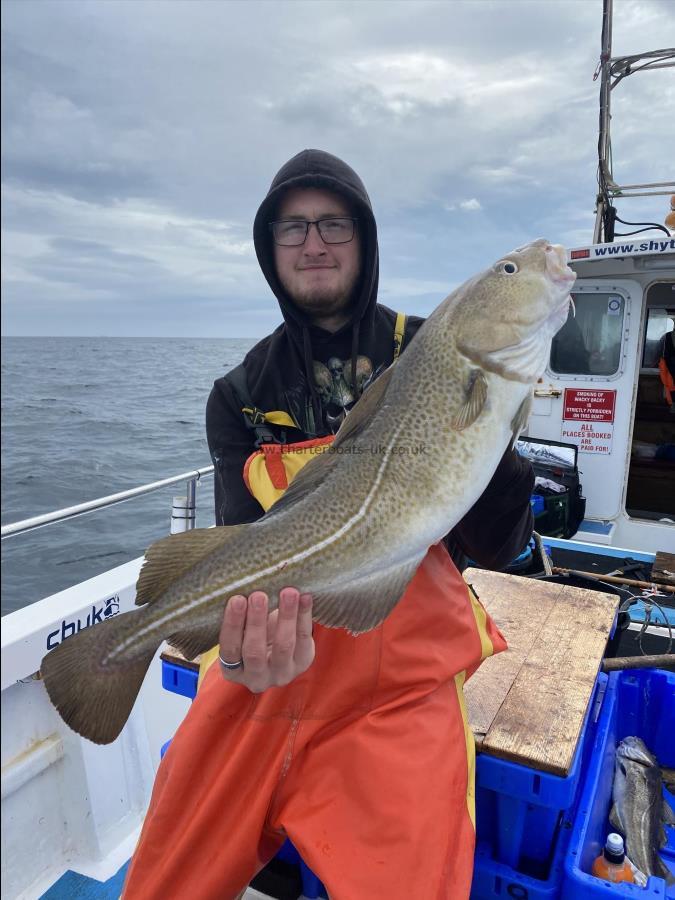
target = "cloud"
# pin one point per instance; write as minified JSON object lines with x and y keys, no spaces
{"x":139,"y":140}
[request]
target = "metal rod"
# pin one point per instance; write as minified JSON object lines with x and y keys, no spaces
{"x":641,"y":194}
{"x":70,"y":512}
{"x":191,"y":503}
{"x":606,"y":63}
{"x":614,"y":579}
{"x":666,"y":53}
{"x":657,"y":661}
{"x":604,"y":172}
{"x":649,"y":66}
{"x":630,"y":187}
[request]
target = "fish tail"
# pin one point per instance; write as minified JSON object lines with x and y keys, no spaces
{"x":95,"y":696}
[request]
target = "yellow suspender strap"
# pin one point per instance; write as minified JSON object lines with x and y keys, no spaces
{"x":279,"y":417}
{"x":276,"y":417}
{"x":399,"y":333}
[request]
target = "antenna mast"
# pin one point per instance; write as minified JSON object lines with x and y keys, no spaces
{"x":612,"y":70}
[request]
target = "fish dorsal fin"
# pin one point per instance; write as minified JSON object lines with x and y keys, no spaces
{"x":307,"y":480}
{"x":316,"y":471}
{"x":476,"y":395}
{"x":171,"y":557}
{"x":363,"y":412}
{"x":521,"y":418}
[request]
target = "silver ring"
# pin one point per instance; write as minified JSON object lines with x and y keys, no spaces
{"x":230,"y":666}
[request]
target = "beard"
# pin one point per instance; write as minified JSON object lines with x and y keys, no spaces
{"x":323,"y":299}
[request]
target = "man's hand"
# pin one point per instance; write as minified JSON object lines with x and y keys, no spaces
{"x":275,"y":647}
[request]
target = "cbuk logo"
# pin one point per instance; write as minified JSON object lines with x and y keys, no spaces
{"x":111,"y":607}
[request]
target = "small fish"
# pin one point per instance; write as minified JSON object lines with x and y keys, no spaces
{"x":410,"y":459}
{"x":639,"y":811}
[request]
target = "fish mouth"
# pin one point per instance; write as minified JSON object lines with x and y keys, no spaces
{"x":556,"y":265}
{"x":636,"y":751}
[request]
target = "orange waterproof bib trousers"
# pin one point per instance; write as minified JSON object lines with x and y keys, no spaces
{"x":365,"y":761}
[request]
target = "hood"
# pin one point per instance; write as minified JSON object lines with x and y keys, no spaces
{"x":318,"y":169}
{"x":286,"y":365}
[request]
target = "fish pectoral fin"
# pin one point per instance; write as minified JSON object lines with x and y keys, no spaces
{"x":364,"y":603}
{"x":363,"y":411}
{"x":92,"y":696}
{"x":171,"y":557}
{"x":667,"y":814}
{"x":521,"y":418}
{"x":476,"y":396}
{"x":615,"y":819}
{"x":193,"y":641}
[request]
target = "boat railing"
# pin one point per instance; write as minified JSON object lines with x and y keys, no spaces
{"x":183,"y":514}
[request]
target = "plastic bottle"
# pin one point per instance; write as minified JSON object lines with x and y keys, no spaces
{"x":612,"y":864}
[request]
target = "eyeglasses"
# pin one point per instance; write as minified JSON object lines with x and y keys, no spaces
{"x":293,"y":232}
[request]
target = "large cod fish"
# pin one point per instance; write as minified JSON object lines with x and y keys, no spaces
{"x":410,"y":459}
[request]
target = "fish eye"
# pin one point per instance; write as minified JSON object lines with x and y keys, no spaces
{"x":508,"y":267}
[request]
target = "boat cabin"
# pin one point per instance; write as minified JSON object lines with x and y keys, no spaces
{"x":602,"y":393}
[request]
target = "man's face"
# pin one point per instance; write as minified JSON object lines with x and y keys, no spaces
{"x":320,"y":278}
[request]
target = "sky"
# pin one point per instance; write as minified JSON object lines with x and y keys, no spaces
{"x":140,"y":136}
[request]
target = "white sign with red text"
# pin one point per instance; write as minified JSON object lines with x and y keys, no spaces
{"x":588,"y":419}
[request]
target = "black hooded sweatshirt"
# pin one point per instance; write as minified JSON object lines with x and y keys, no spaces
{"x":315,"y":375}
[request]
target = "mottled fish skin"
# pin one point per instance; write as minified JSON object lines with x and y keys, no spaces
{"x":409,"y":461}
{"x":639,"y":811}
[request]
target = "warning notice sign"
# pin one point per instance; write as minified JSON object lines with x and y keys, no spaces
{"x":589,"y":406}
{"x":588,"y":419}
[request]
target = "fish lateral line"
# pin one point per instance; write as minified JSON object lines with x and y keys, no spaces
{"x":142,"y":633}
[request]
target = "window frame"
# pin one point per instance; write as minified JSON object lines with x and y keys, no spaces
{"x":597,"y":289}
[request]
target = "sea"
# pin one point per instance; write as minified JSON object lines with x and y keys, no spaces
{"x":85,"y":417}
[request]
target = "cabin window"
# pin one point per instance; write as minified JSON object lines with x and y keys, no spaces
{"x":589,"y":343}
{"x":659,"y":323}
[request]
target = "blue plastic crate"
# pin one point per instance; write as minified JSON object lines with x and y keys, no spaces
{"x":641,"y":703}
{"x":179,"y":679}
{"x":311,"y":886}
{"x":538,"y":504}
{"x":492,"y":879}
{"x":524,"y":817}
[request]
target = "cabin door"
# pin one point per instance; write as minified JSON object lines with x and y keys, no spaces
{"x":586,"y":395}
{"x":650,"y":491}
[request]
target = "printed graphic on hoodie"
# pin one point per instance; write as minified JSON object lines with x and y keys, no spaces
{"x":334,"y":385}
{"x":335,"y":389}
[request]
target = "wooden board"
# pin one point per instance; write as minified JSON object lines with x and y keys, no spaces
{"x":663,"y":570}
{"x":173,"y":655}
{"x":528,"y":704}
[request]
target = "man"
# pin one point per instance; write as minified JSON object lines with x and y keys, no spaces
{"x":327,"y":293}
{"x":355,"y":747}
